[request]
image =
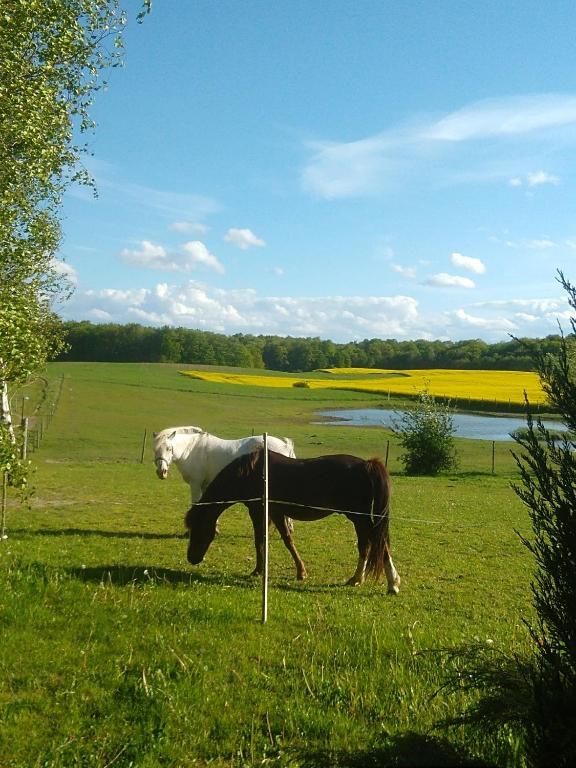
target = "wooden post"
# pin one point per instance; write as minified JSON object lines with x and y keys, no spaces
{"x":25,"y":439}
{"x":387,"y":451}
{"x":265,"y":540}
{"x":493,"y":452}
{"x":143,"y":446}
{"x":3,"y":534}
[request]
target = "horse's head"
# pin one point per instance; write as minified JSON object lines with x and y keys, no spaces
{"x":163,"y":452}
{"x":201,"y":527}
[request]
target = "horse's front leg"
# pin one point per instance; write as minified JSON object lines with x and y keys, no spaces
{"x":357,"y":577}
{"x":285,"y":529}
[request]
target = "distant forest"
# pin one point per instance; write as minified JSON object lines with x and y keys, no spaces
{"x":91,"y":342}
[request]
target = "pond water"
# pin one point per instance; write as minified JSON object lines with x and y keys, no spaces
{"x":467,"y":425}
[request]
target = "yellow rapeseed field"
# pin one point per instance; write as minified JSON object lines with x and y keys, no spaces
{"x":493,"y":386}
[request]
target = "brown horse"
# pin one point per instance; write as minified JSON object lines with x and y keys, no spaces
{"x":303,"y":489}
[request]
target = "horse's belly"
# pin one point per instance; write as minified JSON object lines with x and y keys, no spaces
{"x":301,"y":511}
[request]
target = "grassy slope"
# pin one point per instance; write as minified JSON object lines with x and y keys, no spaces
{"x":115,"y":651}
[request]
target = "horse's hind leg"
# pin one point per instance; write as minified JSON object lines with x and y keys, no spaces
{"x":392,"y":576}
{"x":357,"y":577}
{"x":285,"y":528}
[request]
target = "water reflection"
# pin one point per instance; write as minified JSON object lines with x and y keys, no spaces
{"x":468,"y":425}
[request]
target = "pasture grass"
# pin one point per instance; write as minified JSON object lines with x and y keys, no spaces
{"x":115,"y":651}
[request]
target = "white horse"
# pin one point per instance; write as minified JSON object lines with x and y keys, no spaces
{"x":200,"y":456}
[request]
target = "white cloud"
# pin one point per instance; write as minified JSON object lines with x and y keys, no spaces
{"x":347,"y":169}
{"x":541,"y":177}
{"x":153,"y":256}
{"x":514,"y":116}
{"x":468,"y":262}
{"x":174,"y":206}
{"x":534,"y":179}
{"x":193,"y":304}
{"x":537,"y":244}
{"x":189,"y":226}
{"x":196,"y":305}
{"x":536,"y":307}
{"x":484,"y":323}
{"x":148,"y":255}
{"x":408,"y":272}
{"x":444,"y":280}
{"x":372,"y":164}
{"x":243,"y":238}
{"x":197,"y":254}
{"x":540,"y":245}
{"x":66,"y":270}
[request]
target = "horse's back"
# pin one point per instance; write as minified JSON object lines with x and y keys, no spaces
{"x":281,"y":445}
{"x":333,"y":482}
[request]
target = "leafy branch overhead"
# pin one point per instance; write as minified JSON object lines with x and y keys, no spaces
{"x":53,"y":55}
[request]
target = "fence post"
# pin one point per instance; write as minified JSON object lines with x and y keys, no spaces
{"x":3,"y":534}
{"x":25,"y":438}
{"x":493,"y":452}
{"x":387,"y":451}
{"x":143,"y":446}
{"x":265,"y":540}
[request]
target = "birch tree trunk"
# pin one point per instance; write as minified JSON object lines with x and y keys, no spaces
{"x":5,"y":415}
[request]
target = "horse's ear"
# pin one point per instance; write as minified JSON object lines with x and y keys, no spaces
{"x":154,"y":435}
{"x":172,"y":436}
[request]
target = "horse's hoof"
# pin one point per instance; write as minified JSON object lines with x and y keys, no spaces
{"x":353,"y":582}
{"x":301,"y":576}
{"x":393,"y":590}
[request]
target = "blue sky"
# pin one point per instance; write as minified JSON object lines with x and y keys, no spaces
{"x":346,"y":169}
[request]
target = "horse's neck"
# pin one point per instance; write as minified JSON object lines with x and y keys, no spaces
{"x":182,"y":446}
{"x":204,"y":456}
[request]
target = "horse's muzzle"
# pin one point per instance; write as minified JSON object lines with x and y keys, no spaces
{"x":194,"y":559}
{"x":161,"y":468}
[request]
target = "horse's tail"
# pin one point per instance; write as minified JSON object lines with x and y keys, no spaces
{"x":379,"y":531}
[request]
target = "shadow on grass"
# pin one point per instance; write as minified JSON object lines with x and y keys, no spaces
{"x":410,"y":750}
{"x":123,"y":575}
{"x":98,"y":532}
{"x":110,"y":534}
{"x":477,"y":474}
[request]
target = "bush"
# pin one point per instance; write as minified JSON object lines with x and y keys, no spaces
{"x":548,"y":489}
{"x":532,"y":698}
{"x":426,"y":432}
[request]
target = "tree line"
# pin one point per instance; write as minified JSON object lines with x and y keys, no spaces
{"x":111,"y":342}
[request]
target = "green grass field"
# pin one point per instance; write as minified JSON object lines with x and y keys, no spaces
{"x":115,"y":652}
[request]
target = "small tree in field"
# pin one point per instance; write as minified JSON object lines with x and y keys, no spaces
{"x":426,"y":432}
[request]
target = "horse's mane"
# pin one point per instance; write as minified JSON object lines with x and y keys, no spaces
{"x":180,"y":430}
{"x":247,"y":463}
